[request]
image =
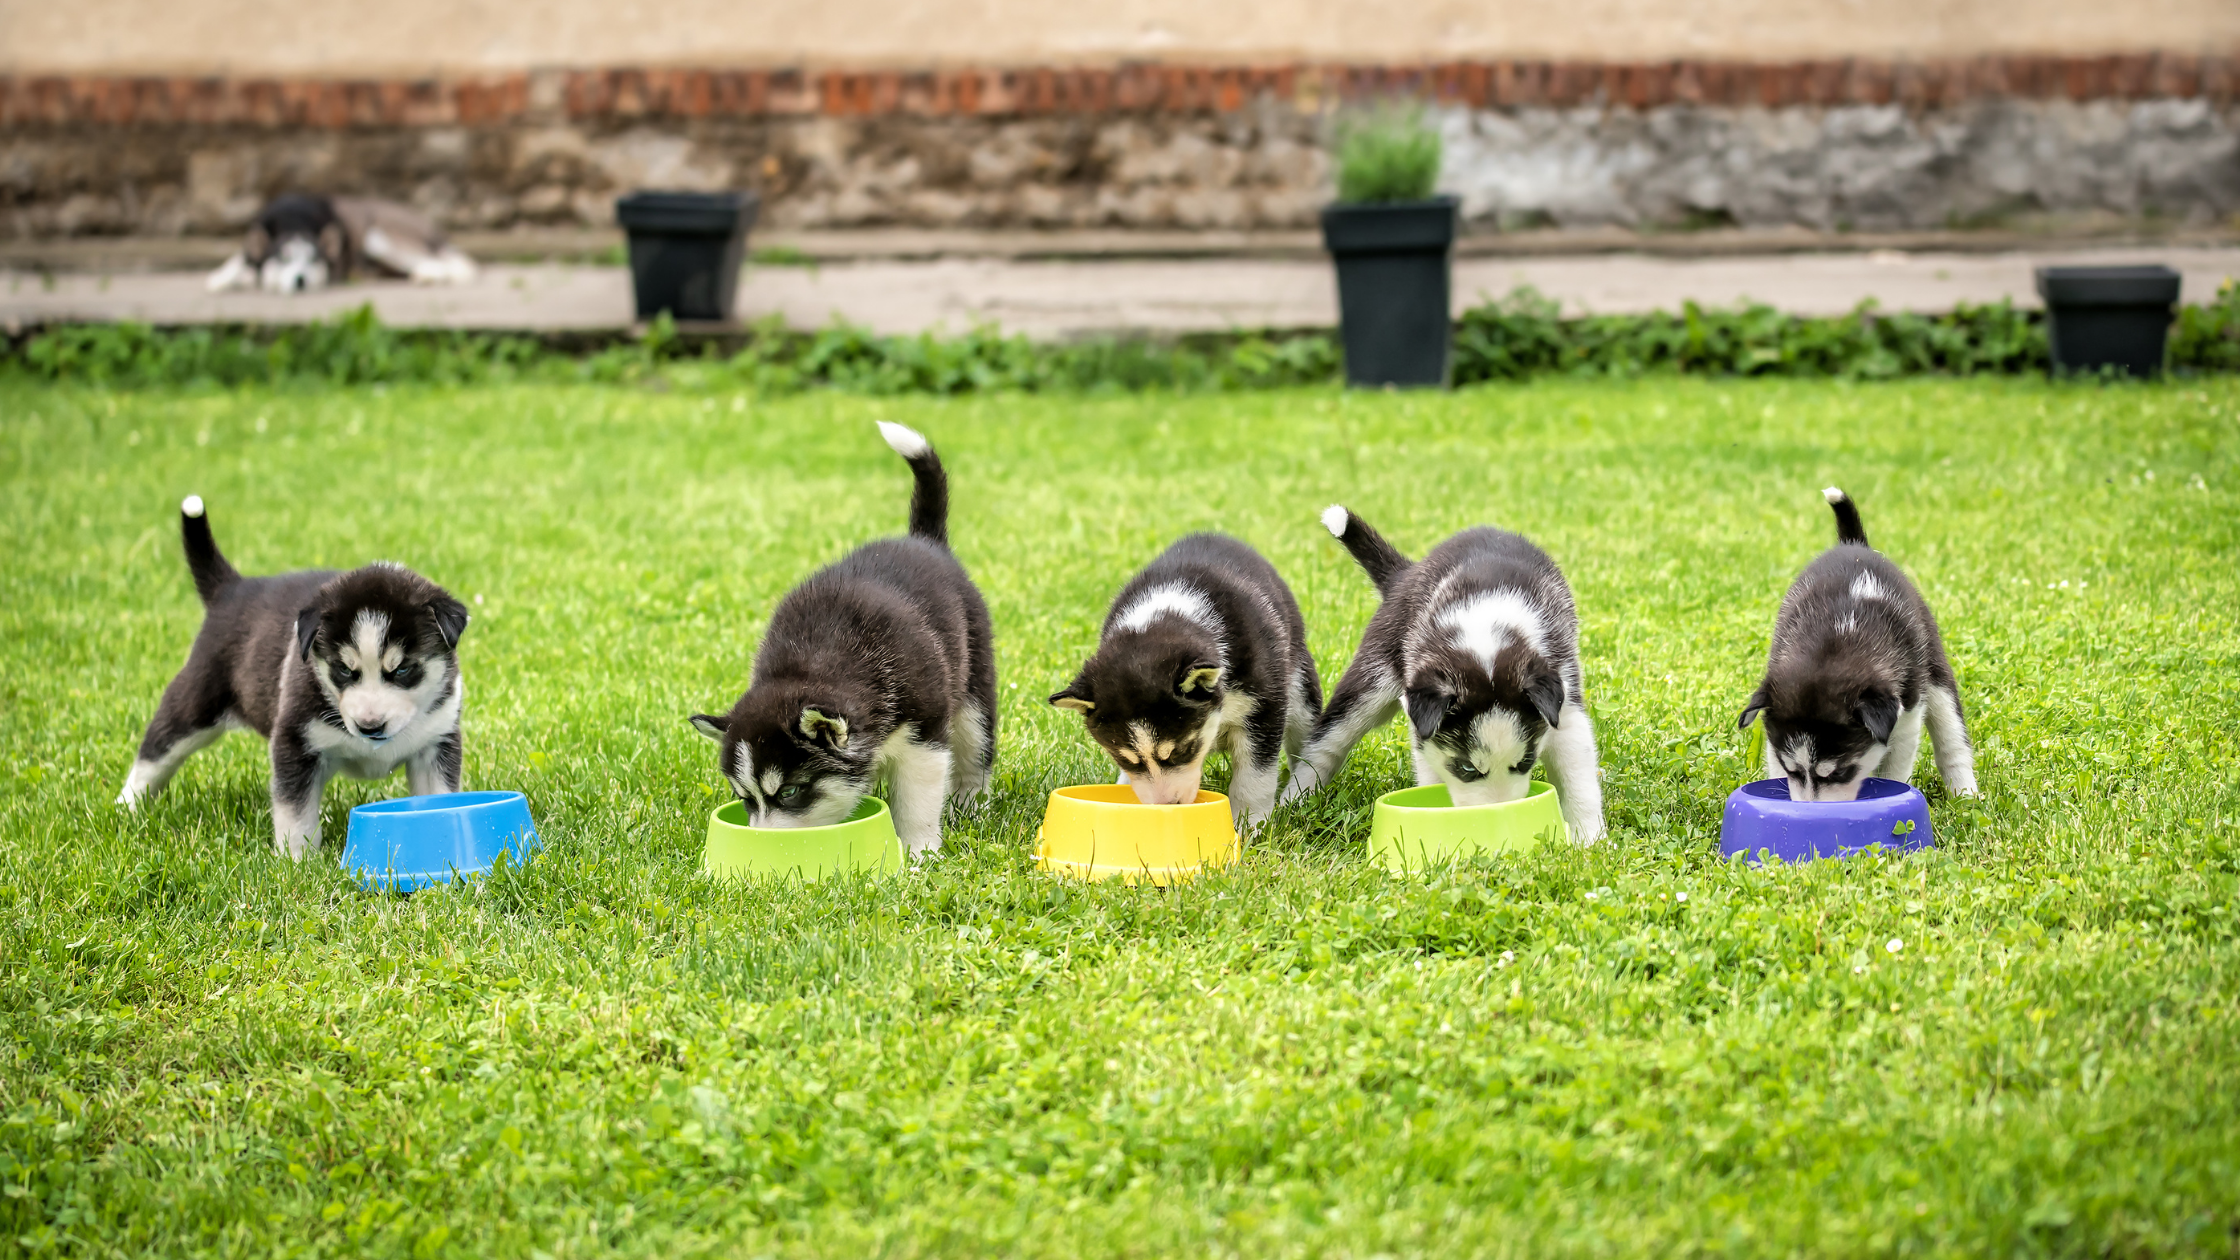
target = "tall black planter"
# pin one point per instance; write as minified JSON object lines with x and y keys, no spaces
{"x":2100,"y":317}
{"x":685,"y":250}
{"x":1395,"y":277}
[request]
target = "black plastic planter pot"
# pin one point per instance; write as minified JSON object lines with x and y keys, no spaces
{"x":685,"y":250}
{"x":1395,"y":276}
{"x":2101,"y":317}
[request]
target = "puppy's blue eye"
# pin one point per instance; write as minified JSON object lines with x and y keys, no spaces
{"x":344,"y":677}
{"x":790,"y":793}
{"x":1468,"y":773}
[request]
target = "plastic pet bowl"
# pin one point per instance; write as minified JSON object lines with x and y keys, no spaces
{"x":864,"y":840}
{"x":414,"y":841}
{"x":1101,"y":831}
{"x":1417,"y":826}
{"x":1761,"y":817}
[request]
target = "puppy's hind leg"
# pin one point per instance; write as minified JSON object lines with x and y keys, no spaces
{"x":1575,"y":769}
{"x":970,"y":767}
{"x":190,"y":717}
{"x":918,"y":780}
{"x":1364,"y":701}
{"x":1948,"y":732}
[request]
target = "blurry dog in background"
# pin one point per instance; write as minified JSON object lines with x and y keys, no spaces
{"x":300,"y":242}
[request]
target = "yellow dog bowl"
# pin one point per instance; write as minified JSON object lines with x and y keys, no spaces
{"x":865,"y":840}
{"x":1417,"y":826}
{"x":1101,"y":831}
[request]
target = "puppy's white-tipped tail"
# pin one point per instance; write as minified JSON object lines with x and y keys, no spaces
{"x":906,"y":441}
{"x":1848,"y":527}
{"x":1334,"y":519}
{"x":191,"y":505}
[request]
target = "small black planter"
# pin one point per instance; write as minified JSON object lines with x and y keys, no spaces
{"x":1395,"y":276}
{"x":2099,"y":317}
{"x":685,"y":250}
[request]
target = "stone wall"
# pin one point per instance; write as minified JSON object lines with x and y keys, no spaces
{"x":1826,"y":145}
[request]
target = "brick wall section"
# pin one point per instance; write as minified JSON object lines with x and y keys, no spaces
{"x":616,"y":95}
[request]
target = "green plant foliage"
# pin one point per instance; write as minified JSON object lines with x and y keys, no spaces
{"x":2021,"y":1043}
{"x":1387,"y":152}
{"x":1517,"y":337}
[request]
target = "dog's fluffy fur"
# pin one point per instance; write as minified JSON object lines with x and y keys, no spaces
{"x":345,"y":673}
{"x":879,"y":667}
{"x":1204,"y":650}
{"x":299,"y":242}
{"x":1479,"y":642}
{"x":1857,"y":669}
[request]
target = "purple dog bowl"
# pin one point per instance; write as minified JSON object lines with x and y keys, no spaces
{"x":1760,"y":816}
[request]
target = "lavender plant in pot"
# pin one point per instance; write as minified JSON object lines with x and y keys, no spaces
{"x":1393,"y":243}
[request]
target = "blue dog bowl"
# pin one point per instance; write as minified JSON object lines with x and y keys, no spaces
{"x":1761,"y":817}
{"x":414,"y":841}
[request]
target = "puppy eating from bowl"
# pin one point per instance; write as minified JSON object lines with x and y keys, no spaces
{"x":1203,"y":651}
{"x":351,"y":673}
{"x":1479,"y":643}
{"x":880,"y":666}
{"x":1856,"y":672}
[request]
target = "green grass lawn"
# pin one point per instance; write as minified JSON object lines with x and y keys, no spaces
{"x":2024,"y":1042}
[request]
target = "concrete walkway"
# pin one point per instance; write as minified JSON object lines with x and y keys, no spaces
{"x":1076,"y":296}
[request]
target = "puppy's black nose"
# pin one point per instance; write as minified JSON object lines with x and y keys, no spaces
{"x":299,"y":282}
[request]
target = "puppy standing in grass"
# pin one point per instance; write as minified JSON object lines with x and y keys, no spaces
{"x":345,"y":673}
{"x":1479,"y":641}
{"x":1203,"y":650}
{"x":880,"y":666}
{"x":1857,"y":668}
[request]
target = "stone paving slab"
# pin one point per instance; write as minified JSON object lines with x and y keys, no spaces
{"x":1077,"y":297}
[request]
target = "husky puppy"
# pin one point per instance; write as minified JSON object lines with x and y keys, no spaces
{"x":1857,"y":667}
{"x":345,"y":673}
{"x":1202,"y":650}
{"x":299,"y":242}
{"x":1479,"y":642}
{"x":879,"y":666}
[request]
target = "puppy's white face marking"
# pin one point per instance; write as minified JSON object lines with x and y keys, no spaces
{"x":1166,"y":601}
{"x":1865,"y":587}
{"x":294,"y":267}
{"x":1488,"y":621}
{"x":742,"y":770}
{"x":377,"y":704}
{"x":1809,"y":774}
{"x":772,"y":778}
{"x":1485,"y":771}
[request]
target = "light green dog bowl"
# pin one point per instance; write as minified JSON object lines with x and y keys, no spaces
{"x":1417,"y":826}
{"x":866,"y":840}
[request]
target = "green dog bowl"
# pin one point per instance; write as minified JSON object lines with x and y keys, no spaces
{"x":1417,"y":826}
{"x":865,"y":840}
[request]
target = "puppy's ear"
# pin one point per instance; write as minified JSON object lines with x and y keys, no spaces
{"x":1075,"y":697}
{"x":450,"y":617}
{"x":1197,"y":681}
{"x":710,"y":725}
{"x":1427,"y":708}
{"x":823,"y":727}
{"x":307,"y":627}
{"x":1545,"y":690}
{"x":1752,"y":707}
{"x":1878,"y":712}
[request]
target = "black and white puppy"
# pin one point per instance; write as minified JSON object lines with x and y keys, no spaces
{"x":350,"y":673}
{"x":300,"y":242}
{"x":1857,"y":668}
{"x":1479,"y":641}
{"x":880,"y":666}
{"x":1203,"y":650}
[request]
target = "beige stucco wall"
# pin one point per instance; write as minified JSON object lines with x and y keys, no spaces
{"x":411,"y":37}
